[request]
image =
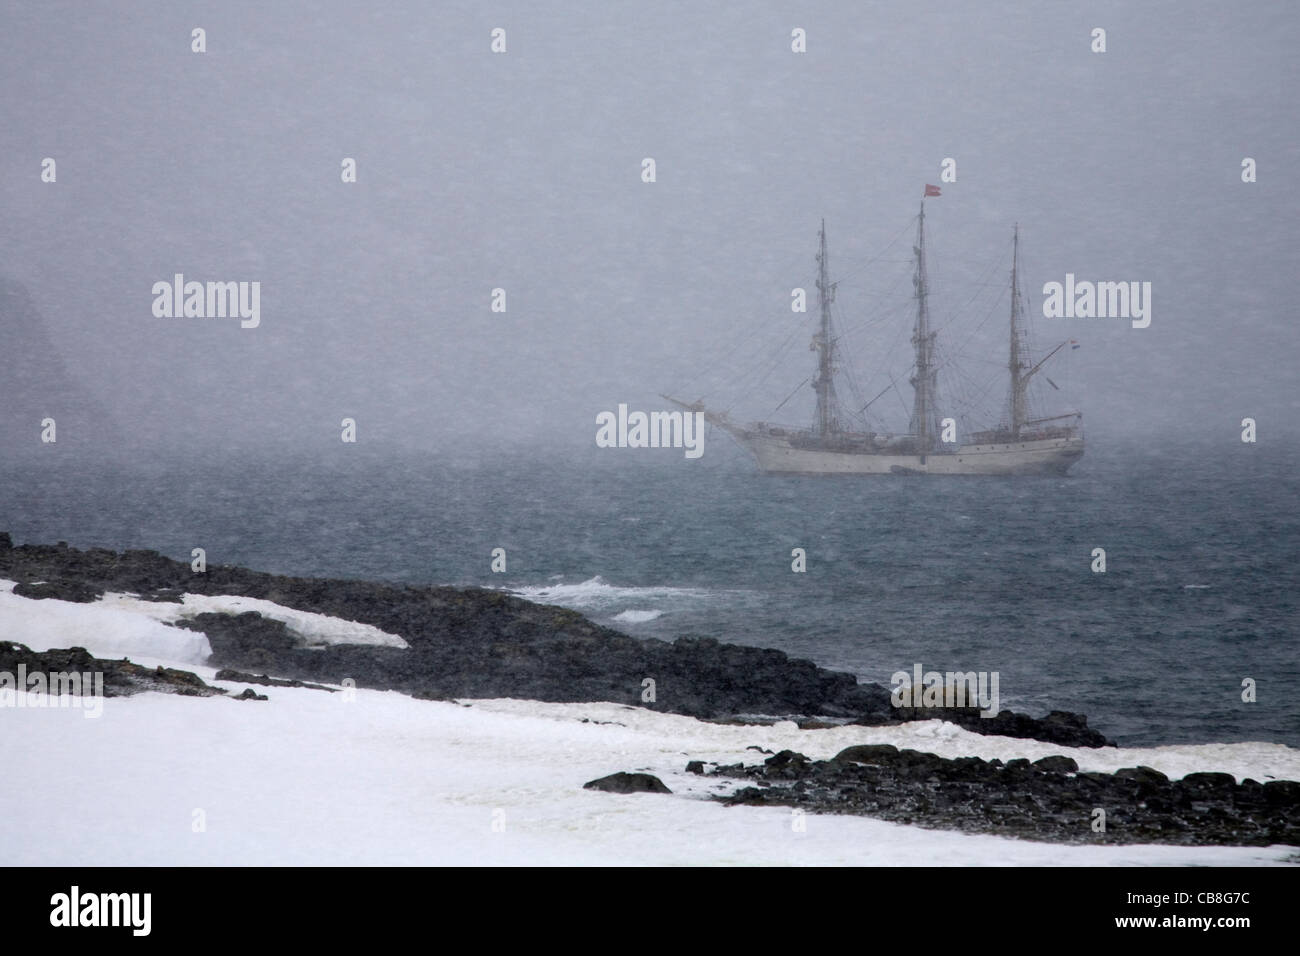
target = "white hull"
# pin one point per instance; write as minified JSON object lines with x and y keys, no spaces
{"x":1050,"y":456}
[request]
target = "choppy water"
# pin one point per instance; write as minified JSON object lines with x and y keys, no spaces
{"x":959,"y":574}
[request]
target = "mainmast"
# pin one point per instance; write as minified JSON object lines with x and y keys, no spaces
{"x":1017,"y":365}
{"x":924,"y":424}
{"x":824,"y":343}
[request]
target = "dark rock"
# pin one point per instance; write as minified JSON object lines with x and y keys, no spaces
{"x":628,"y":783}
{"x":244,"y":635}
{"x":868,"y":753}
{"x":1058,"y":727}
{"x":695,"y":766}
{"x":1282,"y":792}
{"x":163,"y":595}
{"x":1142,"y":775}
{"x":250,"y":694}
{"x":916,"y":762}
{"x":241,"y":677}
{"x":417,"y":694}
{"x":1056,"y":764}
{"x":1038,"y":801}
{"x":785,"y":758}
{"x":1209,"y":781}
{"x":120,"y":678}
{"x":59,"y":590}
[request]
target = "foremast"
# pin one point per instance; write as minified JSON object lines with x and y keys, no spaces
{"x":924,"y":424}
{"x":1016,"y":365}
{"x":827,"y":420}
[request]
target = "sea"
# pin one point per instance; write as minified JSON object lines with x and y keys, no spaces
{"x":1189,"y":635}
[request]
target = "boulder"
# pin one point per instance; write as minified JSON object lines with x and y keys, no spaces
{"x":867,"y":753}
{"x":628,"y":783}
{"x":1056,"y":764}
{"x":59,"y":590}
{"x":1144,"y":775}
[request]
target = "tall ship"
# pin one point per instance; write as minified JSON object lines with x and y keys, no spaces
{"x":1022,"y":443}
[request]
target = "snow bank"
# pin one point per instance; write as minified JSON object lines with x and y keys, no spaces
{"x":314,"y":778}
{"x":379,"y":778}
{"x":315,"y":630}
{"x":123,"y":625}
{"x":102,"y":628}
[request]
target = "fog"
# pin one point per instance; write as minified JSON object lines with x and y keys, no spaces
{"x":522,"y":171}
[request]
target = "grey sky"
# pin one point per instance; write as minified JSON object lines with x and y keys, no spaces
{"x":522,"y":171}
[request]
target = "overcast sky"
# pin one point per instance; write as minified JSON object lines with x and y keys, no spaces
{"x":522,"y":171}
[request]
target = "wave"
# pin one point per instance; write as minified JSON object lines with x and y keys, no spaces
{"x":598,"y":595}
{"x":636,"y":617}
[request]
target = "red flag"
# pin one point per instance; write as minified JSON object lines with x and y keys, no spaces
{"x":931,"y":190}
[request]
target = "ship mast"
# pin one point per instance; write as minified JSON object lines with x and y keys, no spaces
{"x":1016,"y":364}
{"x":824,"y":343}
{"x":923,"y":424}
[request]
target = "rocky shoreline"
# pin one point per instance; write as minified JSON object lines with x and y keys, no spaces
{"x":477,"y":643}
{"x":474,"y":643}
{"x":1049,"y":799}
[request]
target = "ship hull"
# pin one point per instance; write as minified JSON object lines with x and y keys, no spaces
{"x":1051,"y":456}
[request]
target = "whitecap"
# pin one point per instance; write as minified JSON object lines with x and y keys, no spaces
{"x":637,"y":617}
{"x":596,"y":593}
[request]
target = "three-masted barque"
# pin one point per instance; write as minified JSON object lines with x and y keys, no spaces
{"x":1018,"y":445}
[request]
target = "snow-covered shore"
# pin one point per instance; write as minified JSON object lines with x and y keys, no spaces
{"x":372,"y":777}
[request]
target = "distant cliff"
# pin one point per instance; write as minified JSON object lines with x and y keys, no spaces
{"x":35,"y":384}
